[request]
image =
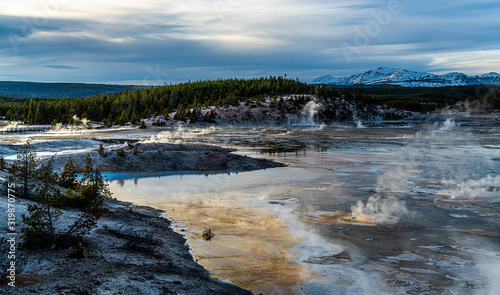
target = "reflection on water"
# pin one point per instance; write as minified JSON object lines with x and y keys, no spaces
{"x":235,"y":207}
{"x":254,"y":240}
{"x":392,"y":208}
{"x":345,"y":212}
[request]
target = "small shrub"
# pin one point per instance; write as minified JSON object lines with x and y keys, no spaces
{"x":135,"y":151}
{"x":73,"y":199}
{"x":78,"y":252}
{"x":207,"y":234}
{"x":120,"y":152}
{"x":101,"y":151}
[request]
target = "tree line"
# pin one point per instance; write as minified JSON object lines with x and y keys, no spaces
{"x":37,"y":181}
{"x":187,"y":99}
{"x":132,"y":106}
{"x":420,"y":99}
{"x":492,"y":100}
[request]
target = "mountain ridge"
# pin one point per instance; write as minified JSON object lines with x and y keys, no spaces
{"x":407,"y":78}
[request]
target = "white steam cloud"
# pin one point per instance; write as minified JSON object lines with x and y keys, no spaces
{"x":484,"y":188}
{"x":309,"y":113}
{"x":448,"y":125}
{"x":180,"y":135}
{"x":379,"y":209}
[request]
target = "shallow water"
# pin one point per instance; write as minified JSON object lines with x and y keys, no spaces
{"x":359,"y":211}
{"x":392,"y":208}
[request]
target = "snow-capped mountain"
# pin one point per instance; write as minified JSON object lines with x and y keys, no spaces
{"x":402,"y":77}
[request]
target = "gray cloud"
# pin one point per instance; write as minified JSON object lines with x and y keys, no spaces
{"x":62,"y":67}
{"x":177,"y":42}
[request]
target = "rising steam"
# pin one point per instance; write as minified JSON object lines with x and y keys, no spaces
{"x":448,"y":125}
{"x":484,"y":188}
{"x":379,"y":209}
{"x":309,"y":114}
{"x":180,"y":135}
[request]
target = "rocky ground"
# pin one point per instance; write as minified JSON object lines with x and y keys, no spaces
{"x":287,"y":111}
{"x":132,"y":251}
{"x":473,"y":107}
{"x":164,"y":157}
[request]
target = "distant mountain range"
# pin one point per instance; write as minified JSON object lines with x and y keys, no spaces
{"x":402,"y":77}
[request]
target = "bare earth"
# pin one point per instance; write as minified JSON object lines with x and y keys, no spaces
{"x":133,"y":250}
{"x":164,"y":157}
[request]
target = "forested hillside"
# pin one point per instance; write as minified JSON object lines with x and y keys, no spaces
{"x":189,"y":98}
{"x":421,"y":99}
{"x":143,"y":103}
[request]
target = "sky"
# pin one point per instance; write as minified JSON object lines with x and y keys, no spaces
{"x":152,"y":42}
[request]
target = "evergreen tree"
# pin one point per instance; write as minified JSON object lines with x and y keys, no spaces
{"x":68,"y":176}
{"x":123,"y":118}
{"x":143,"y":125}
{"x":38,"y":115}
{"x":133,"y":118}
{"x":120,"y":152}
{"x":93,"y":192}
{"x":39,"y":229}
{"x":31,"y":118}
{"x":101,"y":151}
{"x":23,"y":170}
{"x":110,"y":119}
{"x":8,"y":115}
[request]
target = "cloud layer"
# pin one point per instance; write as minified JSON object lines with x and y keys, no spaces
{"x":156,"y":41}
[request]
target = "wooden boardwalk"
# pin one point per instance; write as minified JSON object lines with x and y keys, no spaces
{"x":27,"y":128}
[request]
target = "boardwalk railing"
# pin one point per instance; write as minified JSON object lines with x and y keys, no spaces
{"x":17,"y":129}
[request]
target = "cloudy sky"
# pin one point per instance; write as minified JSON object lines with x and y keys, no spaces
{"x":156,"y":41}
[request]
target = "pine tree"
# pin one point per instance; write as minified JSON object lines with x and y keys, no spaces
{"x":93,"y":191}
{"x":8,"y":115}
{"x":143,"y":125}
{"x":120,"y":152}
{"x":38,"y":115}
{"x":101,"y":151}
{"x":110,"y":119}
{"x":39,"y":229}
{"x":133,"y":118}
{"x":68,"y":176}
{"x":31,"y":118}
{"x":123,"y":118}
{"x":23,"y":170}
